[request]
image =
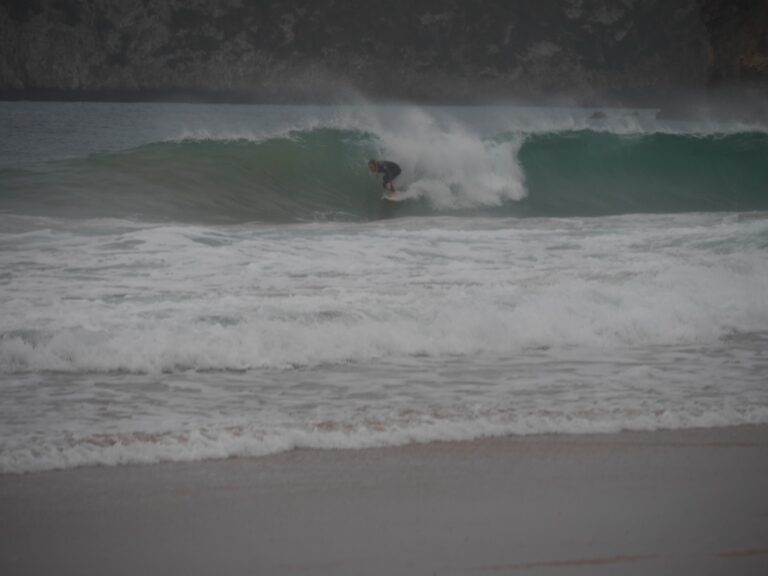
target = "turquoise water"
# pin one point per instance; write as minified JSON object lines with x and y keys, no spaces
{"x":279,"y":165}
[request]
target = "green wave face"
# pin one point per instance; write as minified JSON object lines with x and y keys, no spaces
{"x":591,"y":173}
{"x":313,"y":174}
{"x":307,"y":175}
{"x":322,"y":174}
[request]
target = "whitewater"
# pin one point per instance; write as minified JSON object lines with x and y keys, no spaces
{"x":182,"y":282}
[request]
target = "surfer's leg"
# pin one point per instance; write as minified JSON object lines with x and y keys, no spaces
{"x":392,"y":178}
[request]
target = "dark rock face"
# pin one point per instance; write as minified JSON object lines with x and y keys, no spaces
{"x":450,"y":50}
{"x":738,"y":39}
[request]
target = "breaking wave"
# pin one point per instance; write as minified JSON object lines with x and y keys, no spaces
{"x":320,"y":173}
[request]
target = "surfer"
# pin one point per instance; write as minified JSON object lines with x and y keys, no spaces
{"x":390,"y":170}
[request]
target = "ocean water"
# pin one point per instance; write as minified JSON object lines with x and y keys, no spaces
{"x":181,"y":282}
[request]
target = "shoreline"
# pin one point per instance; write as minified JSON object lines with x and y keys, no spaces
{"x":672,"y":501}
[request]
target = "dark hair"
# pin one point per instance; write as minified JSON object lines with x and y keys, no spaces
{"x":372,"y":163}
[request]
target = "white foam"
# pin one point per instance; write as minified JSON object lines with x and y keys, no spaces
{"x":451,"y":164}
{"x":201,"y":440}
{"x":169,"y":298}
{"x":140,"y":343}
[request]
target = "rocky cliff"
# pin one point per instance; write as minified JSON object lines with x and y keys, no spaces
{"x":450,"y":50}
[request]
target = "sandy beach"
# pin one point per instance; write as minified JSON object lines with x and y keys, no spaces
{"x":682,"y":502}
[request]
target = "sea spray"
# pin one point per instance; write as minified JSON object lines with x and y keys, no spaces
{"x":451,"y":165}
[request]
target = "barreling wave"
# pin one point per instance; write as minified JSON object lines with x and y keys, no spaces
{"x":321,"y":174}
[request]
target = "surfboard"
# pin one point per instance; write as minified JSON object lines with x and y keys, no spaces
{"x":397,"y":197}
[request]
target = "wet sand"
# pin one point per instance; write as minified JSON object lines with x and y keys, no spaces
{"x":681,"y":502}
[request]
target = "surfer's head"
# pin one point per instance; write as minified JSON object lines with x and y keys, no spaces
{"x":373,"y":166}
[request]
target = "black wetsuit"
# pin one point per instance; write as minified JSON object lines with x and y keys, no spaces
{"x":390,"y":171}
